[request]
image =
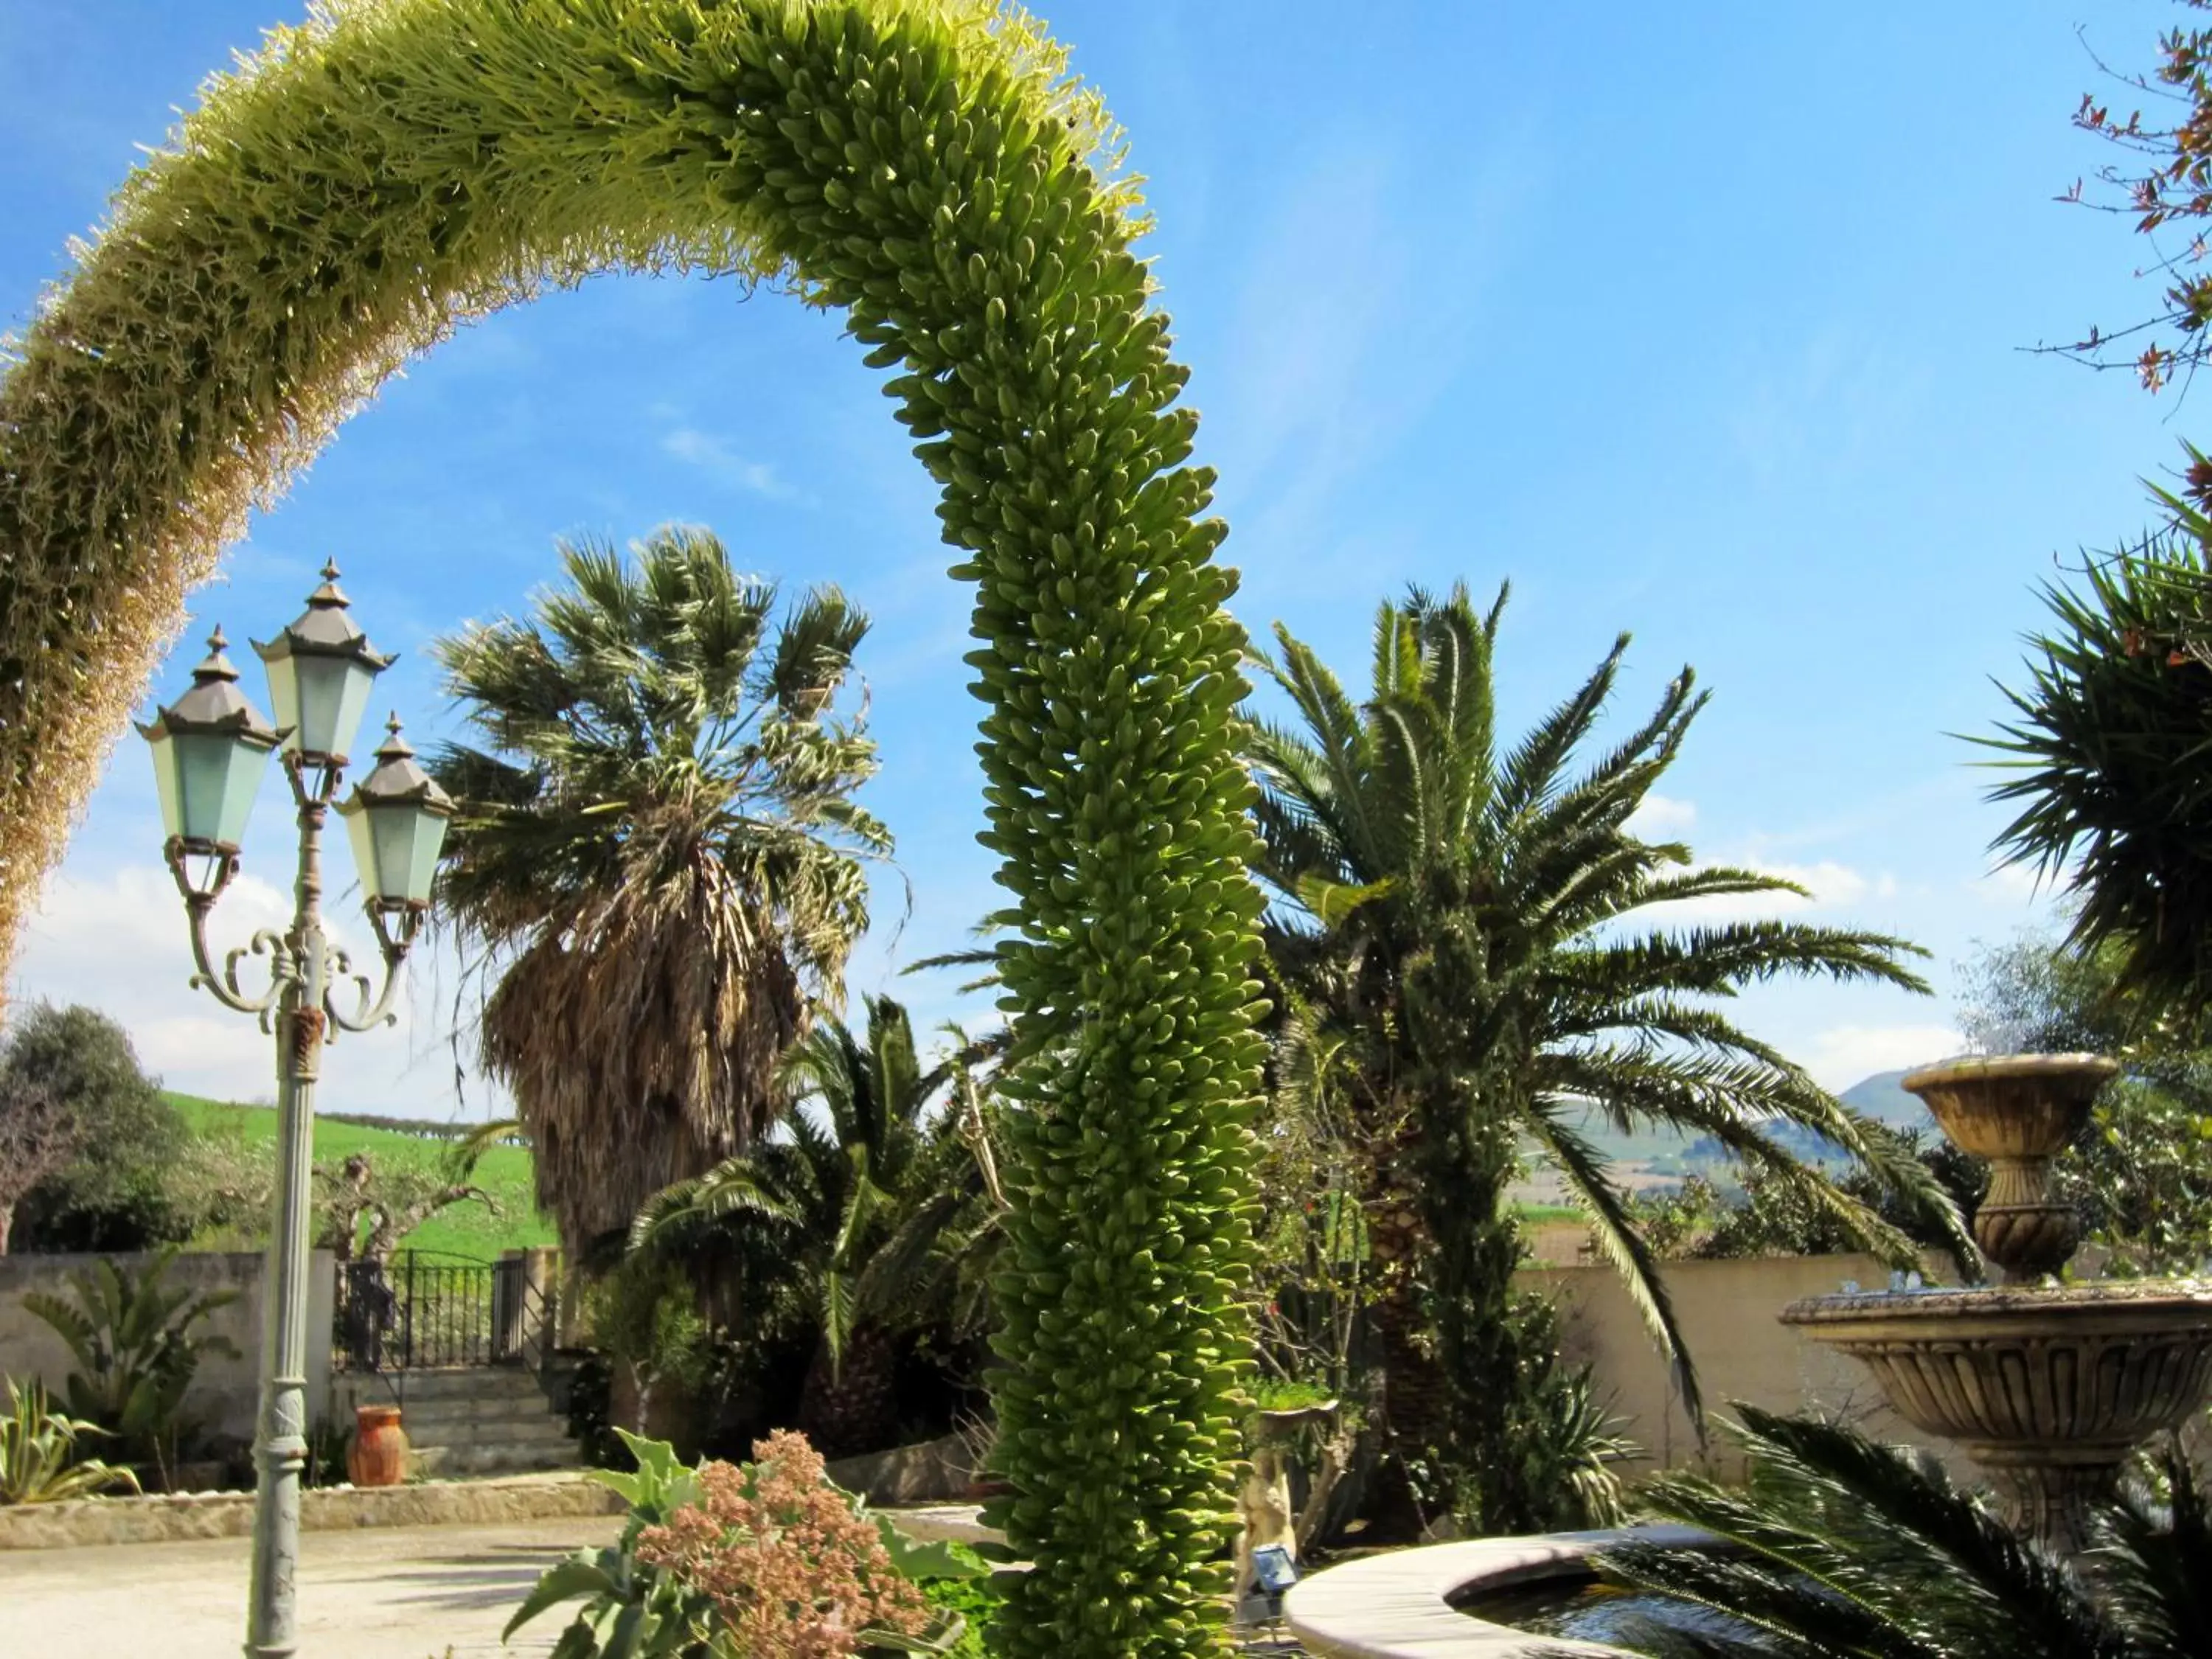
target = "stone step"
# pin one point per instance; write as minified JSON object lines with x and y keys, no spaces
{"x":444,"y":1462}
{"x":489,"y":1414}
{"x":456,"y":1381}
{"x":534,"y":1442}
{"x":511,"y":1434}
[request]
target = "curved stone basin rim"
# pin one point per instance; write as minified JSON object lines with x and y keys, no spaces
{"x":1399,"y":1606}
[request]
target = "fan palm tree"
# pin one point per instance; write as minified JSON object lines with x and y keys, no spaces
{"x":658,"y":865}
{"x":1845,"y":1548}
{"x":869,"y":1204}
{"x":1477,"y":930}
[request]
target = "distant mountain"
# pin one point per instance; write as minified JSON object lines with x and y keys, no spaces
{"x":1880,"y":1097}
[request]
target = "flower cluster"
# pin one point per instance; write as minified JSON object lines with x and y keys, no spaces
{"x":791,"y":1569}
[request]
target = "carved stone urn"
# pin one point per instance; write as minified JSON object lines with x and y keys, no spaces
{"x":2047,"y":1388}
{"x":2019,"y":1112}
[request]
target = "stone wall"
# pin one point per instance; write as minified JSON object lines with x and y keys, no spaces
{"x":1728,"y":1312}
{"x":224,"y":1393}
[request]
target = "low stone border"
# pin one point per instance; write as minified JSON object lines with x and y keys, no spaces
{"x":1399,"y":1606}
{"x":172,"y":1517}
{"x":931,"y":1523}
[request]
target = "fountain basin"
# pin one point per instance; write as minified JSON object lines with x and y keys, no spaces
{"x":1405,"y":1604}
{"x":2048,"y":1390}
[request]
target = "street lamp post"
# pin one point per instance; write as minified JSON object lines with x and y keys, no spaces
{"x":211,"y":747}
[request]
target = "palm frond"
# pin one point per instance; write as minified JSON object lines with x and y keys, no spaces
{"x":1584,"y":1167}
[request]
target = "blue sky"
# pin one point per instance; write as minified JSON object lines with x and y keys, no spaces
{"x":1702,"y":322}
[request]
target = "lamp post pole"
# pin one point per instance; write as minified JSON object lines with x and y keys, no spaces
{"x":281,"y":1429}
{"x":208,"y":749}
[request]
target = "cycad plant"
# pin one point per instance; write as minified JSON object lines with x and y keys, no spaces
{"x":1843,"y":1548}
{"x":658,"y":862}
{"x":864,"y":1201}
{"x":1483,"y":933}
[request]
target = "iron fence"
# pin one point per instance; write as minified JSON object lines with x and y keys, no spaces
{"x":413,"y":1314}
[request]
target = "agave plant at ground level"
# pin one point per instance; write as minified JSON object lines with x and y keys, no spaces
{"x":40,"y":1462}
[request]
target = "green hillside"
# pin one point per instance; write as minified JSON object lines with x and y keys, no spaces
{"x":464,"y":1230}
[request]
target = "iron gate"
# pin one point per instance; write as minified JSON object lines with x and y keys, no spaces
{"x":415,"y":1313}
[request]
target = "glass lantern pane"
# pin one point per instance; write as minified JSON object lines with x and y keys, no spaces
{"x":407,"y":840}
{"x":394,"y":829}
{"x":331,"y":695}
{"x":285,"y":697}
{"x":364,"y":849}
{"x":217,"y":778}
{"x":165,"y":788}
{"x":429,"y":841}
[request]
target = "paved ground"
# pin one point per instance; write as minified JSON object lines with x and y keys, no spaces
{"x":378,"y":1593}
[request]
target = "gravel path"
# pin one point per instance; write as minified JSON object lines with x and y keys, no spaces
{"x":380,"y":1593}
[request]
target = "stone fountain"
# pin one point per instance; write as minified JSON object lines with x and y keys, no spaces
{"x":2047,"y":1386}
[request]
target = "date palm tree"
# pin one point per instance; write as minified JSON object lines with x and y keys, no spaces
{"x":658,"y":866}
{"x":1488,"y":939}
{"x":869,"y":1205}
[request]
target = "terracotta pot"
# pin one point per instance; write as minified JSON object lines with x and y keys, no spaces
{"x":378,"y":1455}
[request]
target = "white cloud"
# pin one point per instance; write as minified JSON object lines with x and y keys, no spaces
{"x":1828,"y":885}
{"x":116,"y":939}
{"x":1843,"y":1054}
{"x":2014,"y":886}
{"x":711,"y":455}
{"x":1660,"y":817}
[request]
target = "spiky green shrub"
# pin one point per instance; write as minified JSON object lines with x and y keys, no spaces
{"x":927,"y":166}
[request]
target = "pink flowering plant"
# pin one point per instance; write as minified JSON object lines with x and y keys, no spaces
{"x":763,"y":1560}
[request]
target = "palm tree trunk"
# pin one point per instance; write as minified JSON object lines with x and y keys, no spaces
{"x":1415,"y":1392}
{"x":1487,"y":1340}
{"x":851,"y":1407}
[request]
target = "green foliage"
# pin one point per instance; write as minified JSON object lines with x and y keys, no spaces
{"x":646,"y":1315}
{"x":871,"y":1213}
{"x":2141,"y":1175}
{"x":112,"y":1195}
{"x":2104,"y":749}
{"x":975,"y":1601}
{"x":40,"y":1463}
{"x":591,"y":1411}
{"x":1765,"y":1216}
{"x":658,"y":860}
{"x":929,"y":170}
{"x":1847,"y":1548}
{"x":1469,"y":927}
{"x":1559,"y":1469}
{"x":134,"y":1339}
{"x":222,"y":1179}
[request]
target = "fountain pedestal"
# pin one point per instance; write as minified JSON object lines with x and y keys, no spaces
{"x":2047,"y":1389}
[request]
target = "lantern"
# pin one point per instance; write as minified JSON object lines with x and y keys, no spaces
{"x":396,"y":817}
{"x":209,"y":748}
{"x":321,"y":670}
